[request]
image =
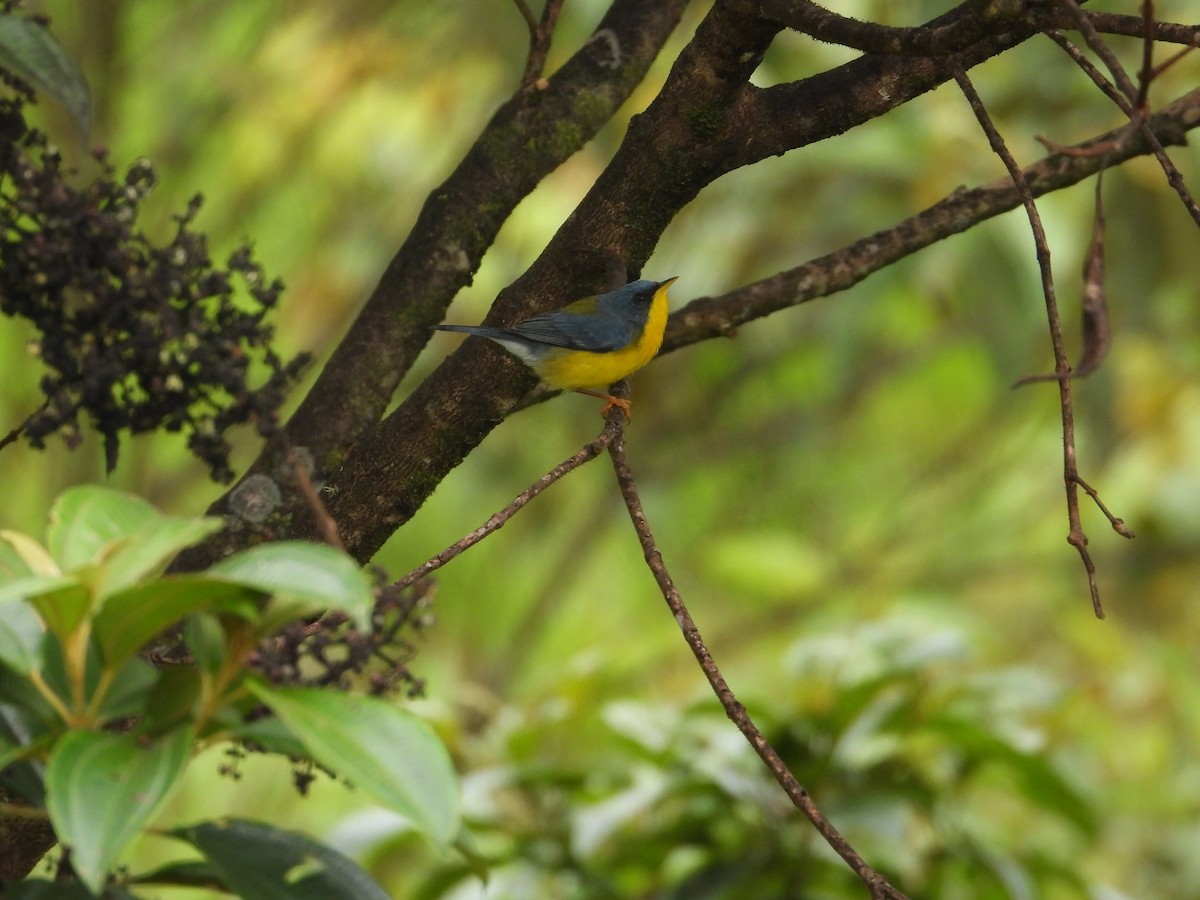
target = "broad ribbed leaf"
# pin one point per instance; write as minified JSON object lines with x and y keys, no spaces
{"x":192,"y":873}
{"x":151,"y":547}
{"x":130,"y":690}
{"x":270,"y":734}
{"x":86,"y":521}
{"x":30,"y":586}
{"x":21,"y":736}
{"x":101,"y":788}
{"x":172,"y":701}
{"x":63,"y":608}
{"x":132,"y":617}
{"x":304,"y":578}
{"x":389,"y":753}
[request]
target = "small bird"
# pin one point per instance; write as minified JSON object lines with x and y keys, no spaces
{"x":589,"y":343}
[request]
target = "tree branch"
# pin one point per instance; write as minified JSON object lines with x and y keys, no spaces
{"x":1135,"y":110}
{"x":954,"y":31}
{"x":460,"y":220}
{"x":706,"y":121}
{"x":1116,"y":24}
{"x":876,"y":883}
{"x":711,"y":317}
{"x":526,"y":139}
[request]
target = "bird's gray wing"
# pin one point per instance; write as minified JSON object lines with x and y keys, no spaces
{"x":575,"y":331}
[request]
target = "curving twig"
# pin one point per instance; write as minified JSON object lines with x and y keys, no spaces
{"x":498,"y":520}
{"x":1077,"y":538}
{"x":876,"y":883}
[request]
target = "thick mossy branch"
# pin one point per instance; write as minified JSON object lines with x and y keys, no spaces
{"x":528,"y":138}
{"x":707,"y":120}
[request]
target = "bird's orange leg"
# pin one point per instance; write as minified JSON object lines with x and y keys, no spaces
{"x":609,"y":402}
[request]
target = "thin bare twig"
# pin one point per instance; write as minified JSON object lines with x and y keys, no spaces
{"x":19,"y":430}
{"x":1171,"y":60}
{"x":1131,"y":100}
{"x":1146,"y":73}
{"x":325,"y":523}
{"x":1097,"y":333}
{"x":1090,"y":70}
{"x":1094,"y":322}
{"x":527,"y":15}
{"x":1092,"y":38}
{"x":1062,"y":368}
{"x":587,"y":453}
{"x":540,"y":33}
{"x":709,"y":317}
{"x":1117,"y":524}
{"x":876,"y":883}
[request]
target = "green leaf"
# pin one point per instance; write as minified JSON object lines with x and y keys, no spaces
{"x":304,"y":578}
{"x":86,"y":521}
{"x":101,"y":789}
{"x":25,"y":709}
{"x":20,"y":639}
{"x":25,"y":556}
{"x":394,"y":756}
{"x":32,"y":585}
{"x":477,"y":862}
{"x":64,"y":608}
{"x":131,"y":618}
{"x":256,"y":860}
{"x":206,"y":641}
{"x":192,"y":873}
{"x":173,"y":699}
{"x":20,"y":737}
{"x":130,"y":690}
{"x":151,"y":547}
{"x":30,"y":51}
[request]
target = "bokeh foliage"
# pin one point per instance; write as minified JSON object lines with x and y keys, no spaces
{"x":834,"y":489}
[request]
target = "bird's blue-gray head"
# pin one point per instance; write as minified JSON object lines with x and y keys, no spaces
{"x":630,"y":302}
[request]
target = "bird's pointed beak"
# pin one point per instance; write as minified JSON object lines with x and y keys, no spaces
{"x":670,"y":281}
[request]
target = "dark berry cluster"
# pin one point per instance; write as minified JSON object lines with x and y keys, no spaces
{"x":330,"y":653}
{"x":135,"y":336}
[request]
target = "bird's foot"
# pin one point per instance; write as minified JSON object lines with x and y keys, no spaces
{"x":609,"y":402}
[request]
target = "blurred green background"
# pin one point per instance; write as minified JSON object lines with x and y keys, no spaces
{"x":866,"y":522}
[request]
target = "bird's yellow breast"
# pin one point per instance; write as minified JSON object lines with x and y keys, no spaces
{"x":571,"y":369}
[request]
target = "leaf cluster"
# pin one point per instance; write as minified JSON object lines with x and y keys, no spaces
{"x":93,"y":737}
{"x":935,"y":768}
